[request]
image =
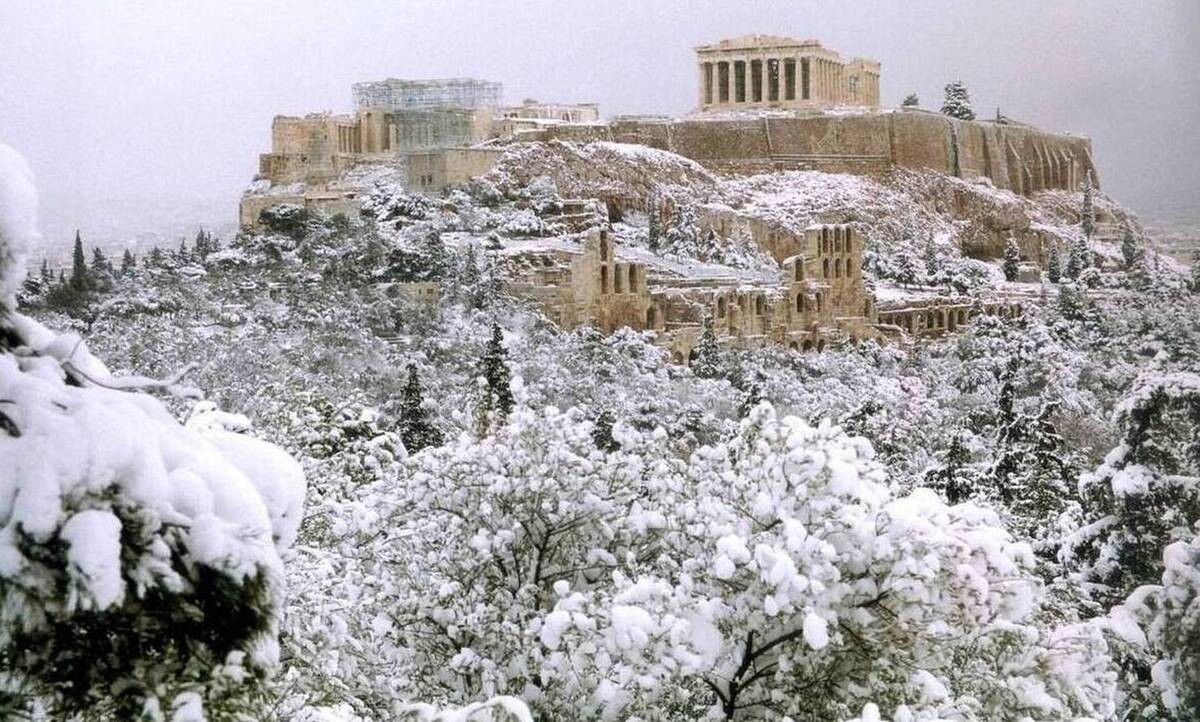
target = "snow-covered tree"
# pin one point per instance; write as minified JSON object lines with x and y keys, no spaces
{"x":1146,"y":493}
{"x":496,"y":396}
{"x":1087,"y":210}
{"x":654,"y":225}
{"x":954,"y":478}
{"x":142,"y":576}
{"x":416,"y":429}
{"x":1195,"y":278}
{"x":80,"y":280}
{"x":910,"y":101}
{"x":1053,"y":265}
{"x":1170,"y":617}
{"x":128,"y":263}
{"x":1129,"y":248}
{"x":1078,"y":259}
{"x":1012,"y":260}
{"x":957,"y":102}
{"x":706,"y":361}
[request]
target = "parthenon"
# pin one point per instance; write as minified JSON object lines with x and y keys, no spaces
{"x":770,"y":71}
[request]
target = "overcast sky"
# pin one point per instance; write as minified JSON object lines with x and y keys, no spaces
{"x":136,"y":113}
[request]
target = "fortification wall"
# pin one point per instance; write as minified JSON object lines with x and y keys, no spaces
{"x":1012,"y":156}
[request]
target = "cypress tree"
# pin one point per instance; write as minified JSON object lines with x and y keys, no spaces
{"x":79,"y":271}
{"x":1054,"y":265}
{"x":1087,"y":213}
{"x":1129,"y":249}
{"x":494,"y":370}
{"x":100,"y":263}
{"x":416,"y":430}
{"x":155,"y":258}
{"x":46,"y":274}
{"x":1077,"y":259}
{"x":654,"y":226}
{"x":128,"y":263}
{"x":1012,"y":260}
{"x":706,"y":358}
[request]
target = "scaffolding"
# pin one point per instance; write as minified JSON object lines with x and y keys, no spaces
{"x":397,"y":94}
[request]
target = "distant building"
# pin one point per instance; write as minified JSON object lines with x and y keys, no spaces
{"x":397,"y":94}
{"x":771,"y":71}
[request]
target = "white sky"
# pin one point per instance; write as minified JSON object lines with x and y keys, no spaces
{"x":134,"y":114}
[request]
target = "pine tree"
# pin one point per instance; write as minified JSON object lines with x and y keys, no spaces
{"x":200,"y":248}
{"x":683,"y":236}
{"x":47,"y":276}
{"x":1087,"y":214}
{"x":1054,"y":265}
{"x":100,"y":264}
{"x":1196,"y":272}
{"x":706,"y":357}
{"x":1077,"y":259}
{"x":957,"y":103}
{"x":1071,"y":301}
{"x":1012,"y":260}
{"x":933,"y":263}
{"x":1129,"y":248}
{"x":183,"y":256}
{"x":654,"y":238}
{"x":954,"y":479}
{"x":416,"y":430}
{"x":497,"y":394}
{"x":911,"y":101}
{"x":155,"y":259}
{"x":602,"y":432}
{"x":80,"y":282}
{"x":128,"y":263}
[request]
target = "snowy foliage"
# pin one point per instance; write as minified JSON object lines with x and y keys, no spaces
{"x":140,"y":561}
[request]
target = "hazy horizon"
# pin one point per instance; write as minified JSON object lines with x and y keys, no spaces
{"x":138,"y":116}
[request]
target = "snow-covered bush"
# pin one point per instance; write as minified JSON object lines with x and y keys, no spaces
{"x":140,"y":570}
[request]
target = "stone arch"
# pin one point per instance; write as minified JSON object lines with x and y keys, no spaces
{"x":800,"y":303}
{"x":799,"y":270}
{"x":807,"y":346}
{"x":818,"y":303}
{"x":677,"y":357}
{"x":837,"y":268}
{"x":633,"y":280}
{"x":722,"y":307}
{"x":793,"y":346}
{"x":603,"y":279}
{"x":652,"y":317}
{"x":825,"y":268}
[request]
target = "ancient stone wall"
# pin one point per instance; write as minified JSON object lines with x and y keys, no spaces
{"x":1011,"y":156}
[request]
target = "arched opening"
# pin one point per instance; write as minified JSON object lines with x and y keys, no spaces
{"x":793,"y":346}
{"x":721,"y":307}
{"x":837,"y":268}
{"x":677,"y":357}
{"x":652,"y":317}
{"x":800,"y":303}
{"x":633,"y":279}
{"x":603,"y":279}
{"x":825,"y":268}
{"x":760,"y":305}
{"x":820,"y":346}
{"x":818,"y":303}
{"x":807,"y":346}
{"x":799,"y":269}
{"x":952,"y":320}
